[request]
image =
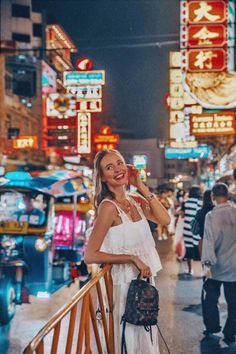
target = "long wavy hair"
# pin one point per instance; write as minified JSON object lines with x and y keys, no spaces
{"x":101,"y":189}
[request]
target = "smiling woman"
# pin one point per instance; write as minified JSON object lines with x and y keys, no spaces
{"x":121,"y":236}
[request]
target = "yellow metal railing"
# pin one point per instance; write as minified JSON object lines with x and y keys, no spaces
{"x":81,"y":322}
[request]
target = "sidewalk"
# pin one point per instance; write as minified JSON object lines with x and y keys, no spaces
{"x":180,"y":317}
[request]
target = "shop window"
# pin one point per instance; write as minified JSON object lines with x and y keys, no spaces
{"x":20,"y":11}
{"x":20,"y":37}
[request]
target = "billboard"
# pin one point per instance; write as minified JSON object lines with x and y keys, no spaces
{"x":212,"y":90}
{"x":207,"y":35}
{"x":66,"y":105}
{"x":78,"y":78}
{"x":49,"y":79}
{"x":213,"y":124}
{"x":202,"y":151}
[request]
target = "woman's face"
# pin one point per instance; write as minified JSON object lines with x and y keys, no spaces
{"x":114,"y":170}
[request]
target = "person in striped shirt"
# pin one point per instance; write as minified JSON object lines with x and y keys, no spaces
{"x":190,"y":208}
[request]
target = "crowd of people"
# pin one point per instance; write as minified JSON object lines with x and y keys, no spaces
{"x":123,"y":231}
{"x":208,"y":234}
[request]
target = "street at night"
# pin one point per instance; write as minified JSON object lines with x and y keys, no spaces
{"x":117,"y":154}
{"x":180,"y":317}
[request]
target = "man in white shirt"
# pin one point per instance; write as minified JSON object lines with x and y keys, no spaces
{"x":219,"y":254}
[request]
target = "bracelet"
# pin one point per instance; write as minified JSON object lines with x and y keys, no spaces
{"x":150,"y":197}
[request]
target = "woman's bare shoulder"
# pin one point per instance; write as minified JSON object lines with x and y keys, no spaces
{"x":107,"y":206}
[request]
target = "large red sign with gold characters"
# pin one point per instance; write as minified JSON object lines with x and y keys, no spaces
{"x":205,"y":35}
{"x":197,"y":12}
{"x":207,"y":60}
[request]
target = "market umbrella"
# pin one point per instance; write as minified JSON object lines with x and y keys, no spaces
{"x":25,"y":180}
{"x":66,"y":182}
{"x":54,"y":183}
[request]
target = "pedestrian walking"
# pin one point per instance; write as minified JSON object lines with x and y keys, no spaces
{"x":190,"y":208}
{"x":219,"y":254}
{"x":207,"y":206}
{"x":122,"y":237}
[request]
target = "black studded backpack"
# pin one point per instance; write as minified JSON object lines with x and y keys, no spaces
{"x":141,"y":309}
{"x":142,"y":306}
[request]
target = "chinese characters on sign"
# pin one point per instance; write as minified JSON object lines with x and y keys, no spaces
{"x":84,"y":133}
{"x":207,"y":60}
{"x":176,"y":98}
{"x":198,"y":36}
{"x":197,"y":12}
{"x":204,"y":24}
{"x":213,"y":124}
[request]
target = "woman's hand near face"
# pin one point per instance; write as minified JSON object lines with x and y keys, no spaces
{"x":134,"y":176}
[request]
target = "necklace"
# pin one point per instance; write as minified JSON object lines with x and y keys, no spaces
{"x":125,"y":205}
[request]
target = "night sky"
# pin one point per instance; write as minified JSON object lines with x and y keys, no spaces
{"x":122,"y":38}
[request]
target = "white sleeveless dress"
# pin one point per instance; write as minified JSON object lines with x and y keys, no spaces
{"x":133,"y":238}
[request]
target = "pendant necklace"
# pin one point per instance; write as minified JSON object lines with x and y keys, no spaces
{"x":125,"y":206}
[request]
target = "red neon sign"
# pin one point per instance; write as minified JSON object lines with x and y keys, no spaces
{"x":207,"y":60}
{"x":205,"y":35}
{"x":197,"y":12}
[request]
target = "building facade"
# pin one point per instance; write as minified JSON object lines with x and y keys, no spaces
{"x":20,"y":80}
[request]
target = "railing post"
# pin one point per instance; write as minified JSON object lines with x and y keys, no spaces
{"x":95,"y":328}
{"x":36,"y":346}
{"x":71,"y":330}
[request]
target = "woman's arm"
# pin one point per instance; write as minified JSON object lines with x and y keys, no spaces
{"x":106,"y":215}
{"x":152,"y":208}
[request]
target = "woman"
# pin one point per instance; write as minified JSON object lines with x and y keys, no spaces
{"x":201,"y":215}
{"x":121,"y":236}
{"x":190,"y":208}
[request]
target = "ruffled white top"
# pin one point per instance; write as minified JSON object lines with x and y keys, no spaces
{"x":133,"y":238}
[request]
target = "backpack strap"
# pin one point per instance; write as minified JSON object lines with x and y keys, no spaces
{"x":149,"y":329}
